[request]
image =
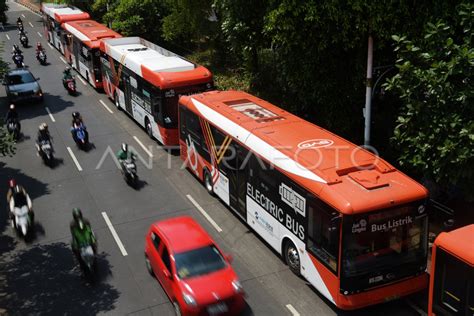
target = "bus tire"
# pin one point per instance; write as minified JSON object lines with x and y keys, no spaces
{"x":208,"y":182}
{"x":116,"y":101}
{"x":148,"y":128}
{"x":292,"y":257}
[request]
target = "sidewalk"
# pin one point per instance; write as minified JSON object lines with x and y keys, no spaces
{"x":33,"y":5}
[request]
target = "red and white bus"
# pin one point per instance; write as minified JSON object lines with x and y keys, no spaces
{"x":452,"y":274}
{"x":146,"y":80}
{"x":347,"y":221}
{"x":56,"y":14}
{"x":82,"y":47}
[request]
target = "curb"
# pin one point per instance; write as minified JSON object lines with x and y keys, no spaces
{"x":29,"y":6}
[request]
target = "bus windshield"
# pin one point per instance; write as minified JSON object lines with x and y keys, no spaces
{"x":376,"y":245}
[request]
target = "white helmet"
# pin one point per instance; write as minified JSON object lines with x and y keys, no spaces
{"x":12,"y":106}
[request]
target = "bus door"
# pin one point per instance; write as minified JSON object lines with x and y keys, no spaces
{"x":233,"y":165}
{"x":76,"y":48}
{"x":127,"y":93}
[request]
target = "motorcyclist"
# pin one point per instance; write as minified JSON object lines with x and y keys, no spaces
{"x":42,"y":136}
{"x":18,"y":198}
{"x":11,"y":187}
{"x":12,"y":116}
{"x":77,"y":123}
{"x":19,"y":23}
{"x":67,"y":76}
{"x":81,"y":232}
{"x":16,"y":50}
{"x":123,"y":155}
{"x":39,"y":48}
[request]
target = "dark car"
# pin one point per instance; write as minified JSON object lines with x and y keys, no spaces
{"x":21,"y":85}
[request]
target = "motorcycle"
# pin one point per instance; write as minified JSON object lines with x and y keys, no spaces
{"x":129,"y":171}
{"x":87,"y":259}
{"x":20,"y":26}
{"x":24,"y":40}
{"x":46,"y":152}
{"x":70,"y":85}
{"x":18,"y":60}
{"x":13,"y":128}
{"x":23,"y":220}
{"x":80,"y":136}
{"x":41,"y":57}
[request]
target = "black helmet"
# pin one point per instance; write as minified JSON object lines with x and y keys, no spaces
{"x":77,"y":214}
{"x":76,"y":115}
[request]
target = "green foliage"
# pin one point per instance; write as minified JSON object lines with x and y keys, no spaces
{"x":435,"y":131}
{"x":7,"y":144}
{"x":3,"y":10}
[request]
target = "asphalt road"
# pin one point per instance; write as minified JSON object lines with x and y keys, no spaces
{"x":41,"y":276}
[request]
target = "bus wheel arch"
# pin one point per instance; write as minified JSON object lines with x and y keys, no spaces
{"x":148,"y":127}
{"x":207,"y":181}
{"x":291,"y":255}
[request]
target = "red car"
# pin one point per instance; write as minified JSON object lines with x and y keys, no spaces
{"x":192,"y":270}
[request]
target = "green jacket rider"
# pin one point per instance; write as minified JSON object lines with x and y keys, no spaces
{"x":81,"y":231}
{"x":122,"y":154}
{"x":67,"y":74}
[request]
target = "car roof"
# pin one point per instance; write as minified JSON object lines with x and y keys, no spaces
{"x":183,"y":234}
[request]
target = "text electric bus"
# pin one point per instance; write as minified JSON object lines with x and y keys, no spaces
{"x":146,"y":81}
{"x":452,"y":274}
{"x":56,"y":14}
{"x":343,"y":218}
{"x":82,"y":47}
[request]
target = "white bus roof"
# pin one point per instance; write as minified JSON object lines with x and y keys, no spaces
{"x":54,"y":10}
{"x":135,"y":53}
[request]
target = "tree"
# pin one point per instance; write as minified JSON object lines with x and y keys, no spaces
{"x":435,"y":131}
{"x":3,"y":10}
{"x":7,"y":144}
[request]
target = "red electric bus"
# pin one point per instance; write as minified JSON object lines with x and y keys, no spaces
{"x":452,"y":274}
{"x":56,"y":14}
{"x":82,"y":47}
{"x":343,"y":218}
{"x":146,"y":80}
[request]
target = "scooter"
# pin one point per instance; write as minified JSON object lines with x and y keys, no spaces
{"x":23,"y":220}
{"x":129,"y":171}
{"x":46,"y":152}
{"x":80,"y":136}
{"x":18,"y":60}
{"x":13,"y":128}
{"x":70,"y":85}
{"x":24,"y":40}
{"x":87,"y":260}
{"x":41,"y":57}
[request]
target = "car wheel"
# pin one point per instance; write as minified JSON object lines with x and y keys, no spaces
{"x":208,"y":182}
{"x":292,"y":258}
{"x":148,"y":266}
{"x":177,"y":309}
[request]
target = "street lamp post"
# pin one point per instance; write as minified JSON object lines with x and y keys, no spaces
{"x":368,"y":91}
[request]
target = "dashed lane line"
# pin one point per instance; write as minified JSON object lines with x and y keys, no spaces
{"x":203,"y":212}
{"x":50,"y":115}
{"x":23,"y":16}
{"x":50,"y":46}
{"x":31,"y":24}
{"x":114,"y":234}
{"x":39,"y":34}
{"x":74,"y":159}
{"x":63,"y":60}
{"x":82,"y":80}
{"x":106,"y":106}
{"x":8,"y":37}
{"x":293,"y":311}
{"x":143,"y":146}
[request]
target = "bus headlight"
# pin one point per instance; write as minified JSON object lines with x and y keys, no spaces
{"x":189,"y":300}
{"x":237,"y":286}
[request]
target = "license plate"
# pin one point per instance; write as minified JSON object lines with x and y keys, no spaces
{"x":391,"y":298}
{"x":217,"y":309}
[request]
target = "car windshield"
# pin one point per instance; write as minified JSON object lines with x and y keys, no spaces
{"x":385,"y":239}
{"x":199,"y":262}
{"x":20,"y":78}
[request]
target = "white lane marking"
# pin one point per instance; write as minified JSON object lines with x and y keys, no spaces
{"x":63,"y":60}
{"x":74,"y":159}
{"x":23,"y":16}
{"x":51,"y":46}
{"x":105,"y":105}
{"x":50,"y":115}
{"x":31,"y":24}
{"x":203,"y":212}
{"x":416,"y":308}
{"x":82,"y":80}
{"x":39,"y":34}
{"x":293,"y":311}
{"x":143,"y":146}
{"x":114,"y":234}
{"x":8,"y":37}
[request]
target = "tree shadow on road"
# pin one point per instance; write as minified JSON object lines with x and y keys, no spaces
{"x":46,"y":280}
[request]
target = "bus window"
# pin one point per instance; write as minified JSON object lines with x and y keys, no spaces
{"x":170,"y":112}
{"x":182,"y":121}
{"x":323,"y":234}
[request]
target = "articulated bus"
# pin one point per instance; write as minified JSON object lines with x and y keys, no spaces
{"x":347,"y":221}
{"x":56,"y":14}
{"x":452,"y":274}
{"x":146,"y":80}
{"x":82,"y":48}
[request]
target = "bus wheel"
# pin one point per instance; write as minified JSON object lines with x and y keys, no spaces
{"x":208,"y":182}
{"x":148,"y":128}
{"x":116,"y":101}
{"x":292,"y":257}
